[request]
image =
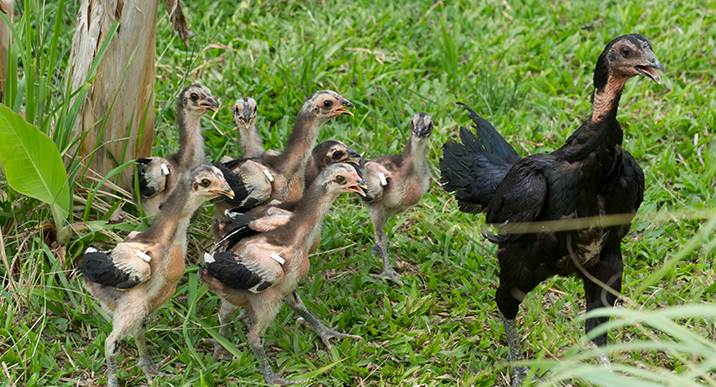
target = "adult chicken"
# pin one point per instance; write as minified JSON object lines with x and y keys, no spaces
{"x":261,"y":270}
{"x":157,"y":176}
{"x":140,"y":274}
{"x":589,"y":178}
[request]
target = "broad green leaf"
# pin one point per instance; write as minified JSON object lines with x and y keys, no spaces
{"x":32,"y":163}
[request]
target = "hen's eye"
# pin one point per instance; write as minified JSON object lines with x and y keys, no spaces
{"x":194,"y":97}
{"x":340,"y":179}
{"x":205,"y":182}
{"x":327,"y":103}
{"x":626,"y":51}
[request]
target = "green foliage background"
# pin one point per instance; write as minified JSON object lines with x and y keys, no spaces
{"x":524,"y":65}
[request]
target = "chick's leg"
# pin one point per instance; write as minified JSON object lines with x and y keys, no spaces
{"x":127,"y":317}
{"x":262,"y":312}
{"x":380,"y":248}
{"x":226,"y":314}
{"x":111,"y":350}
{"x":324,"y":332}
{"x":145,"y":360}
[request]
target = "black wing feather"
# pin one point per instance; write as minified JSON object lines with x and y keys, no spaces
{"x":520,"y":197}
{"x":144,"y":188}
{"x":236,"y":183}
{"x":231,"y":271}
{"x":98,"y":267}
{"x":241,"y":229}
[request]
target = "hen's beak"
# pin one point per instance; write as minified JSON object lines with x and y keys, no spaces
{"x":651,"y":70}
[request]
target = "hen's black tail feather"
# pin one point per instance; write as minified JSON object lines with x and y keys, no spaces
{"x":475,"y":168}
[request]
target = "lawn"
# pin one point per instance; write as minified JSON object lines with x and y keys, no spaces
{"x":527,"y":67}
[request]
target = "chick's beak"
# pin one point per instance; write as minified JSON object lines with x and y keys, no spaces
{"x":363,"y":187}
{"x":341,"y":109}
{"x":359,"y":188}
{"x":353,"y":157}
{"x":247,"y":115}
{"x":420,"y":129}
{"x":210,"y":104}
{"x":224,"y":190}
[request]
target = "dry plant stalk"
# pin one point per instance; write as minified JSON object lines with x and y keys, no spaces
{"x":8,"y":8}
{"x":135,"y":98}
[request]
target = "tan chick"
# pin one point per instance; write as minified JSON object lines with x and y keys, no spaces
{"x":396,"y":183}
{"x":157,"y":176}
{"x":140,"y":274}
{"x":259,"y":271}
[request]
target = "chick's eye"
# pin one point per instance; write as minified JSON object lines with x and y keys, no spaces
{"x":340,"y":179}
{"x":337,"y":155}
{"x":205,"y":182}
{"x":626,"y":51}
{"x":327,"y":103}
{"x":194,"y":97}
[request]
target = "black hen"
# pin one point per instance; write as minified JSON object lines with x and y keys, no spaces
{"x":591,"y":176}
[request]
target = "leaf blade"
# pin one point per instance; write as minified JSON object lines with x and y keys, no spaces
{"x":32,"y":163}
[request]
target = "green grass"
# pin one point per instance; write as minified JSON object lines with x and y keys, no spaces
{"x":525,"y":66}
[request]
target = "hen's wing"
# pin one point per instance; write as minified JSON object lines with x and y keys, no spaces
{"x":519,"y":198}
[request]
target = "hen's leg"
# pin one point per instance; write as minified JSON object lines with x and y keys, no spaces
{"x":609,"y":271}
{"x":513,"y":340}
{"x":515,"y":282}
